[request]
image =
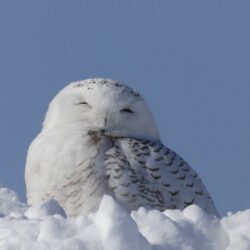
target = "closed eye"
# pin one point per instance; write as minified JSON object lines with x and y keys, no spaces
{"x":127,"y":110}
{"x":84,"y":104}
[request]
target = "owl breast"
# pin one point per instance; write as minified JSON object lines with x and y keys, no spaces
{"x":68,"y":167}
{"x":85,"y":186}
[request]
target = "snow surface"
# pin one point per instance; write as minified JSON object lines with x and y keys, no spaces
{"x":112,"y":228}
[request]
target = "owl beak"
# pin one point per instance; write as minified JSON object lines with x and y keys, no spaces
{"x":99,"y":132}
{"x":104,"y":133}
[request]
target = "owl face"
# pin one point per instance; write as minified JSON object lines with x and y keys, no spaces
{"x":102,"y":105}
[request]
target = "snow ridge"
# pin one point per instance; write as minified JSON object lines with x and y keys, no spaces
{"x":112,"y":228}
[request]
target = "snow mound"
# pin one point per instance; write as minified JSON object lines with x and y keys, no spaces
{"x":10,"y":204}
{"x":112,"y":228}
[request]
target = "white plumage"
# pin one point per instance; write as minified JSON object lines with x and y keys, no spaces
{"x":99,"y":137}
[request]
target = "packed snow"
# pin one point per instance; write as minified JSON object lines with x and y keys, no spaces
{"x":113,"y":228}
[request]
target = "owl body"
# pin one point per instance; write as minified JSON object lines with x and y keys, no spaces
{"x":99,"y":137}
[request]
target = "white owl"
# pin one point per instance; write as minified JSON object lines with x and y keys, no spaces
{"x":99,"y":137}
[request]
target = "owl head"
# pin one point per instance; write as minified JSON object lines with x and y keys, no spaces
{"x":101,"y":105}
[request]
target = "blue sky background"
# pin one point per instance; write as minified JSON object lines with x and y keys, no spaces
{"x":190,"y":60}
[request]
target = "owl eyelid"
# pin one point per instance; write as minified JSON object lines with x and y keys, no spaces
{"x":83,"y":103}
{"x":127,"y":110}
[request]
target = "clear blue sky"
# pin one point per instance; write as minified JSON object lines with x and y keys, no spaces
{"x":190,"y":59}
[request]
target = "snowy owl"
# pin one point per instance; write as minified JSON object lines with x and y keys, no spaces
{"x":99,"y":137}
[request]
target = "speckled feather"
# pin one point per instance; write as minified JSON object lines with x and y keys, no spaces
{"x":142,"y":173}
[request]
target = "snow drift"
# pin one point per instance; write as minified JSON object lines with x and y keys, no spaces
{"x":112,"y":228}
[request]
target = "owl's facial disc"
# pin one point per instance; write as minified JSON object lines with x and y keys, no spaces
{"x":102,"y":108}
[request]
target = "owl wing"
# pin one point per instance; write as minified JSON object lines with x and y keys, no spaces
{"x":148,"y":174}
